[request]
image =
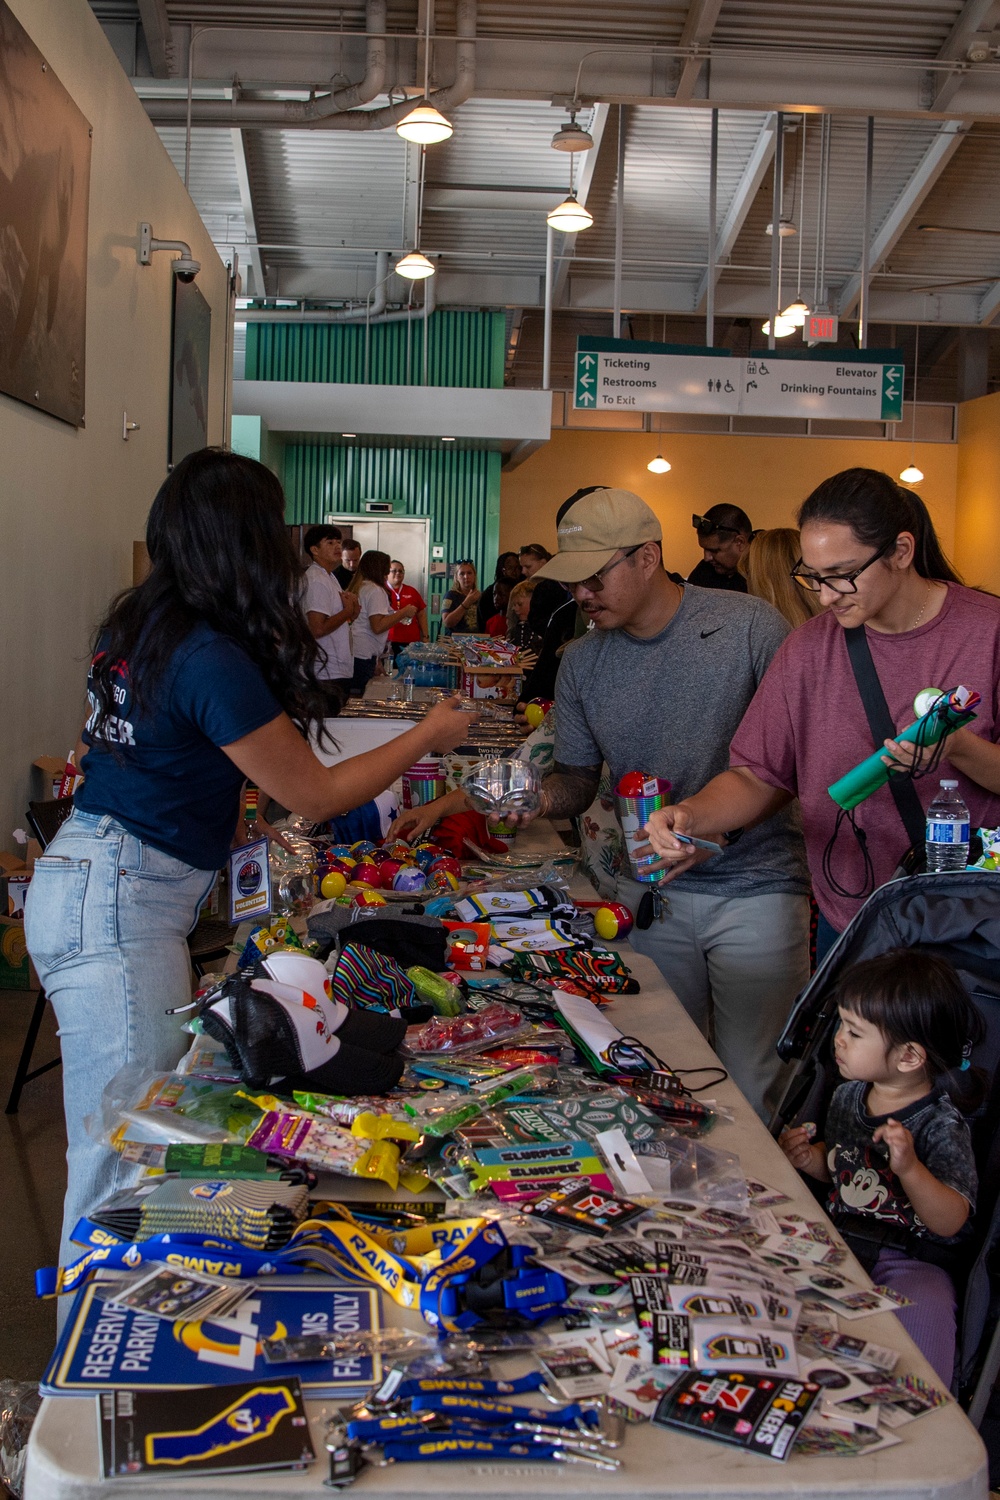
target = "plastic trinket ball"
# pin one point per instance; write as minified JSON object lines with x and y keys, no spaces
{"x":536,"y":710}
{"x":333,"y":885}
{"x":409,"y":879}
{"x":446,"y":862}
{"x":442,"y":880}
{"x":367,"y":897}
{"x":612,"y":921}
{"x":367,"y":873}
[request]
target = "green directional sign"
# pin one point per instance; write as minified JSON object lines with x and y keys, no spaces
{"x":586,"y":379}
{"x":892,"y":393}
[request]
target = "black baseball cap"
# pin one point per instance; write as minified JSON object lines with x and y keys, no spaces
{"x":722,"y":520}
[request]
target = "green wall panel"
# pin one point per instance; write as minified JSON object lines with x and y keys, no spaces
{"x":464,"y":348}
{"x":458,"y":488}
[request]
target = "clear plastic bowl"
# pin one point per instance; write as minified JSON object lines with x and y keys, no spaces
{"x":504,"y":786}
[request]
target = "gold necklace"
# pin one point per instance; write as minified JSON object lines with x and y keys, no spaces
{"x":923,"y":608}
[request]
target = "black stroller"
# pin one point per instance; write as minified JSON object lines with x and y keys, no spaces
{"x":956,"y":916}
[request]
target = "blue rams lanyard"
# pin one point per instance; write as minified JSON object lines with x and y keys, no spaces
{"x":445,"y":1449}
{"x":339,"y":1247}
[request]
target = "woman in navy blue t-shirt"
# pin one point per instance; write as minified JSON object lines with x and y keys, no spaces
{"x":202,"y":676}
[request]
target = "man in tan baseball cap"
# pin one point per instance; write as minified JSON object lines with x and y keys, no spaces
{"x":594,"y":528}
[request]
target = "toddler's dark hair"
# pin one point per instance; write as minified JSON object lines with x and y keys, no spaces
{"x":914,"y":996}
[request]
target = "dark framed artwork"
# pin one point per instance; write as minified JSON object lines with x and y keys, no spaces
{"x":45,"y":146}
{"x":190,"y":347}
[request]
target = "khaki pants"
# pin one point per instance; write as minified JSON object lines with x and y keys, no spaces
{"x":736,"y":965}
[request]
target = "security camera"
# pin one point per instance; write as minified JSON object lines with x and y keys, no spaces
{"x":185,"y":268}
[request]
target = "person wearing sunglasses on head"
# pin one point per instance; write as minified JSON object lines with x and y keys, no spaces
{"x":459,"y":608}
{"x":724,"y":536}
{"x":892,"y":603}
{"x":660,"y":684}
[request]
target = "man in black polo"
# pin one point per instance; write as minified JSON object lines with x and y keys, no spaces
{"x":724,"y":533}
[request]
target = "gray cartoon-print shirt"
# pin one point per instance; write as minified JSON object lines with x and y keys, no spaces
{"x":862,"y":1181}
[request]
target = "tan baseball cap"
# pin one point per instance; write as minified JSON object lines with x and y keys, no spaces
{"x":593,"y":530}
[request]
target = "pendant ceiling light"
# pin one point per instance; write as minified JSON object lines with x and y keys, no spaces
{"x":782,"y":326}
{"x":572,"y":137}
{"x":796,"y":313}
{"x":785,"y":228}
{"x":658,"y":465}
{"x":911,"y":474}
{"x":415,"y":266}
{"x":425,"y":126}
{"x":569,"y":216}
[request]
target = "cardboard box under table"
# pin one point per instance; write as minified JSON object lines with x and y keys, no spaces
{"x":940,"y":1456}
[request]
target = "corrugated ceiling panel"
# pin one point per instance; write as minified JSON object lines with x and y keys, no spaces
{"x":899,"y":148}
{"x":327,"y":188}
{"x":213,"y":184}
{"x":966,"y":196}
{"x":891,"y":28}
{"x":667,"y":154}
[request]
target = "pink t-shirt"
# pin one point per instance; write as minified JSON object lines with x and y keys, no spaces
{"x":806,"y":727}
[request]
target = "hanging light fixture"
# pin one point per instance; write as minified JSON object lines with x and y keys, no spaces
{"x":782,"y":326}
{"x":569,"y":216}
{"x":415,"y":266}
{"x":572,"y":137}
{"x":658,"y":465}
{"x":795,"y":313}
{"x":425,"y":125}
{"x":786,"y":227}
{"x":911,"y":474}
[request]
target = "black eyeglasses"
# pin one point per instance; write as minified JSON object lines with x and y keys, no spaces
{"x":595,"y":583}
{"x":839,"y":583}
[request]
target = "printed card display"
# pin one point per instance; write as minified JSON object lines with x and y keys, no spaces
{"x":249,"y":881}
{"x":232,"y":1429}
{"x":726,"y":1344}
{"x":761,"y":1413}
{"x":103,"y":1346}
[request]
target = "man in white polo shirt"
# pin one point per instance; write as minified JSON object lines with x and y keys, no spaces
{"x":329,"y":612}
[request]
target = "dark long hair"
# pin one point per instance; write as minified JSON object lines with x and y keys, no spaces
{"x":913,"y":996}
{"x":372,"y":568}
{"x":877,"y":509}
{"x":220,"y":555}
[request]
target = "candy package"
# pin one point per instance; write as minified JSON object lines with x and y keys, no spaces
{"x":141,"y":1106}
{"x":328,"y":1147}
{"x":472,"y":1032}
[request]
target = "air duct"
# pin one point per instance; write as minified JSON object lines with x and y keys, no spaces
{"x":338,"y":110}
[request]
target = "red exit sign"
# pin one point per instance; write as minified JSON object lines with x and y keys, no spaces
{"x":822,"y":328}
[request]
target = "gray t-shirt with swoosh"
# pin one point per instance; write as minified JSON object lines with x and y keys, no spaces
{"x":669,"y":706}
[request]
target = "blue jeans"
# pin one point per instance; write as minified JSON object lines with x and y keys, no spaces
{"x":826,"y":936}
{"x":105,"y":921}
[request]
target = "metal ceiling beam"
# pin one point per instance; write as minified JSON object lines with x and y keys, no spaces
{"x":976,"y":15}
{"x":698,"y":27}
{"x":249,"y":217}
{"x":159,"y":38}
{"x":747,"y":188}
{"x":989,"y":305}
{"x":937,"y":156}
{"x":530,"y":68}
{"x":566,"y":249}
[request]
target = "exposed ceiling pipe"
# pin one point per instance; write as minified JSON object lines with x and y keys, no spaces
{"x":337,"y":110}
{"x":341,"y":315}
{"x":379,"y":295}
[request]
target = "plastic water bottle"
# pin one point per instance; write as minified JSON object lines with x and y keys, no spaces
{"x":408,"y":680}
{"x":947,"y":838}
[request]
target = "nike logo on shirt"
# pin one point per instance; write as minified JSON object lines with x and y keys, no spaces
{"x":706,"y":633}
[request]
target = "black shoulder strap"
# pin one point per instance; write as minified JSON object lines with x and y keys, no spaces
{"x":882,"y":728}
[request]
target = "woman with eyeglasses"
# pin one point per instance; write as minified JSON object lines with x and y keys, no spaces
{"x":870,"y":554}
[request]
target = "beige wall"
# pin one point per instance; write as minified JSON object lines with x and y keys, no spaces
{"x":72,"y":502}
{"x":977,"y":529}
{"x":768,"y":476}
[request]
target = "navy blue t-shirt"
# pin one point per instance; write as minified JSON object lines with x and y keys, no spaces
{"x":168,"y":783}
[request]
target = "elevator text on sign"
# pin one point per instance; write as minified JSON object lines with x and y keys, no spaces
{"x":623,"y":375}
